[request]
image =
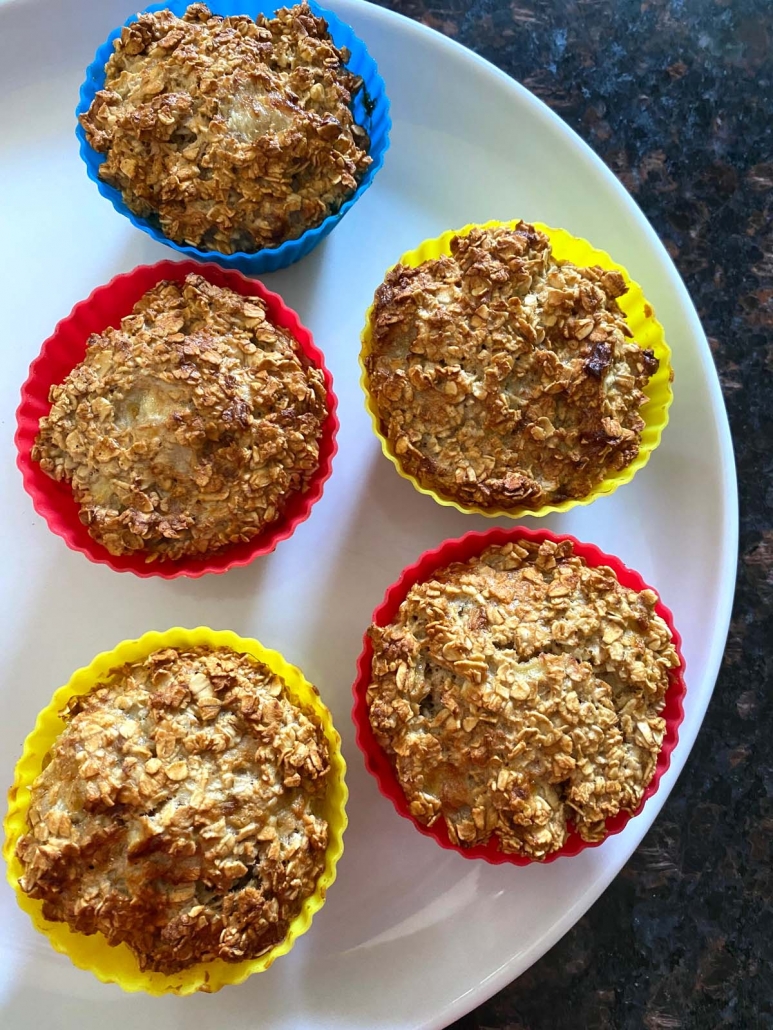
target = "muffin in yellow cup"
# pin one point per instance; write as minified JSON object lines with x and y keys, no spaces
{"x":162,"y":732}
{"x":514,"y":369}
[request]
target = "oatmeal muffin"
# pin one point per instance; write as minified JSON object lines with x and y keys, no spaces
{"x":502,"y":378}
{"x":180,"y":810}
{"x":235,"y":134}
{"x":187,"y":428}
{"x":519,"y":695}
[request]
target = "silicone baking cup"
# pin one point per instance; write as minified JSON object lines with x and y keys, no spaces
{"x":62,"y":351}
{"x":647,"y":332}
{"x":118,"y":964}
{"x":460,"y":550}
{"x":370,"y":109}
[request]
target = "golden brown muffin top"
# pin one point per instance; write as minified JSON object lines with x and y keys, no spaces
{"x":503,"y":378}
{"x":520,"y":691}
{"x":180,"y":810}
{"x":236,"y":133}
{"x":189,"y":427}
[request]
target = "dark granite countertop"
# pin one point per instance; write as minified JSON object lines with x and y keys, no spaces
{"x":677,"y":97}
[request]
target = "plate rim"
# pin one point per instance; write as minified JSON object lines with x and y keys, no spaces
{"x":728,"y":535}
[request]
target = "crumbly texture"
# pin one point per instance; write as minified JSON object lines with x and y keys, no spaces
{"x":188,"y":428}
{"x":236,"y":134}
{"x":520,"y":693}
{"x":180,"y":811}
{"x":503,"y":378}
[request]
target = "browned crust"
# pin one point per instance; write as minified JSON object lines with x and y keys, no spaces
{"x":519,"y":692}
{"x":236,"y":134}
{"x":502,"y":378}
{"x":179,"y":811}
{"x":189,"y":427}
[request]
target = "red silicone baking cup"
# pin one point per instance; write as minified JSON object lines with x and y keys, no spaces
{"x":66,"y":347}
{"x":460,"y":550}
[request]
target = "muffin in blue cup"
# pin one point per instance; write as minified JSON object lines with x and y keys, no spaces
{"x":234,"y":132}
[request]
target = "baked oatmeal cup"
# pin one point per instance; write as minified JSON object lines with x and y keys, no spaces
{"x":177,"y":813}
{"x":194,"y":433}
{"x":234,"y":133}
{"x":513,"y":369}
{"x":519,"y":695}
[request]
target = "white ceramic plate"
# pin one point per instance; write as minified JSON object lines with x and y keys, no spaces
{"x":411,"y":936}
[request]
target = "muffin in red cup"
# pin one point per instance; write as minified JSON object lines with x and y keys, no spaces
{"x":519,"y":695}
{"x":179,"y":421}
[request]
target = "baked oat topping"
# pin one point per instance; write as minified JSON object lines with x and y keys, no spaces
{"x":236,"y":134}
{"x":521,"y":692}
{"x":189,"y":427}
{"x":181,"y":810}
{"x":503,"y":378}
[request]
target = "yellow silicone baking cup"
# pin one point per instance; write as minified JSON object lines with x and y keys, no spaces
{"x":647,"y":332}
{"x":118,"y":964}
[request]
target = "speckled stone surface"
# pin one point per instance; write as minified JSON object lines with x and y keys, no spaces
{"x":677,"y":97}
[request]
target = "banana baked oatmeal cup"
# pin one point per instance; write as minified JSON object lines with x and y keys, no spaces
{"x":235,"y":134}
{"x":504,"y":380}
{"x":519,"y":697}
{"x":185,"y":811}
{"x":189,"y":426}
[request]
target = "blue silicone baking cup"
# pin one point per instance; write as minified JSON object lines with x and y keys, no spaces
{"x":370,"y":109}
